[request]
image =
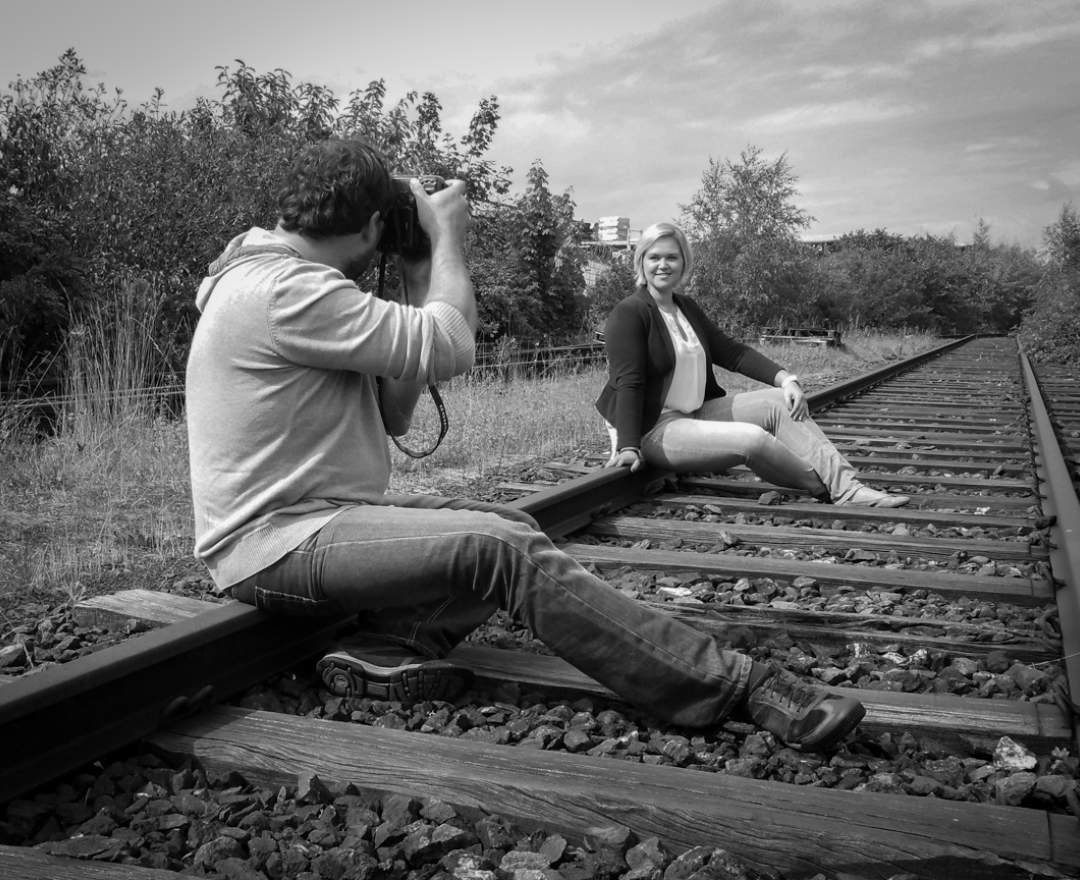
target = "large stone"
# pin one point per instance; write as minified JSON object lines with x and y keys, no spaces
{"x":1011,"y":755}
{"x":1014,"y":788}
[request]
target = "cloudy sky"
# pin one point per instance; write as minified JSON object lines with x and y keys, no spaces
{"x":914,"y":116}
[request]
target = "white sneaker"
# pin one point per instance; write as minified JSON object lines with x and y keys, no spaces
{"x":864,"y":496}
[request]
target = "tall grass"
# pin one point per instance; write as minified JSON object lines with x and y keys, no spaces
{"x":494,"y":424}
{"x":108,"y":496}
{"x":110,"y":487}
{"x":109,"y":358}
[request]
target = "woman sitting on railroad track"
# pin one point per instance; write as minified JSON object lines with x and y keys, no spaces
{"x":664,"y":407}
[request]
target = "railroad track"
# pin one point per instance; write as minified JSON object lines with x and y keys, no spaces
{"x":978,"y":573}
{"x":1061,"y":392}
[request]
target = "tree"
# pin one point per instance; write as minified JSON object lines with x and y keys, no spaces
{"x":95,"y":195}
{"x":528,"y":277}
{"x":614,"y":282}
{"x":1001,"y":282}
{"x":548,"y":257}
{"x":1051,"y":328}
{"x":875,"y":282}
{"x":1062,"y":240}
{"x":751,"y":199}
{"x":48,"y":123}
{"x":879,"y":279}
{"x":411,"y":135}
{"x":743,"y":224}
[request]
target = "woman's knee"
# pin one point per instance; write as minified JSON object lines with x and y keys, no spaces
{"x":754,"y":441}
{"x":765,"y":408}
{"x":777,"y":409}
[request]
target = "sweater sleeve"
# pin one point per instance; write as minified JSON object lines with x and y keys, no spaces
{"x":320,"y":319}
{"x":626,"y":344}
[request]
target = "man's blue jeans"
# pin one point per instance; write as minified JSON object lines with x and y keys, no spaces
{"x":752,"y":428}
{"x":425,"y":571}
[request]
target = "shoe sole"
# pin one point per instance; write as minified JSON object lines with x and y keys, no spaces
{"x":837,"y":735}
{"x":348,"y":676}
{"x":893,"y":501}
{"x":888,"y":501}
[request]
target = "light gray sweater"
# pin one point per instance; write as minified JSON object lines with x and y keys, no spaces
{"x":282,"y":403}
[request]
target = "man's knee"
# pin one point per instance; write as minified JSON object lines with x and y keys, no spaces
{"x":496,"y":527}
{"x":519,"y":516}
{"x":501,"y":510}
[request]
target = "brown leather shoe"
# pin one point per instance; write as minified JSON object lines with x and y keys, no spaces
{"x":802,"y":715}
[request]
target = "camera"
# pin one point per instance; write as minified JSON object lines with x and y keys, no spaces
{"x":402,"y":233}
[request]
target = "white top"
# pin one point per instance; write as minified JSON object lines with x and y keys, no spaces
{"x":686,"y":393}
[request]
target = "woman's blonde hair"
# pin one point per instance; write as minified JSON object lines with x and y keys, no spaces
{"x":650,"y":237}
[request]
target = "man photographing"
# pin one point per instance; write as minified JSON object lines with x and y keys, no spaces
{"x":295,"y":378}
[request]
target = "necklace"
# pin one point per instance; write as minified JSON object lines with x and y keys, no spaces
{"x":674,"y":322}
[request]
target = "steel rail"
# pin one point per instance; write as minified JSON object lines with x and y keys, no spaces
{"x":65,"y":716}
{"x":58,"y":719}
{"x":1060,"y":503}
{"x":826,"y":397}
{"x":559,"y":509}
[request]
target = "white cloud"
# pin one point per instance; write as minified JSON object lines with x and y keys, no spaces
{"x":824,"y":115}
{"x":1000,"y":33}
{"x":1069,"y":174}
{"x":901,"y":114}
{"x":1017,"y":41}
{"x":828,"y":75}
{"x":548,"y":128}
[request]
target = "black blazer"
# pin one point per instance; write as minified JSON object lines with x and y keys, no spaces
{"x":641,"y":359}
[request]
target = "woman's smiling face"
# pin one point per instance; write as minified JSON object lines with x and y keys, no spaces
{"x":662,"y":265}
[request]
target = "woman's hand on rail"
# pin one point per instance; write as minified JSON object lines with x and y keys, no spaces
{"x":628,"y":457}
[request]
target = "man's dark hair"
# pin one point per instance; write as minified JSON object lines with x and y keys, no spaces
{"x":333,"y":188}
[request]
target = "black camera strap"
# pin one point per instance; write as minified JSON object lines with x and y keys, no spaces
{"x":444,"y":422}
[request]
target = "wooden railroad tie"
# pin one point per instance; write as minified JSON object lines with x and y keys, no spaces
{"x":870,"y":833}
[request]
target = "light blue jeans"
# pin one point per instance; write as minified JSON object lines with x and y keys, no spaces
{"x":753,"y":428}
{"x":425,"y":571}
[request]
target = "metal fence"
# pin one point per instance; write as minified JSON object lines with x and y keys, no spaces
{"x":530,"y":362}
{"x":41,"y":406}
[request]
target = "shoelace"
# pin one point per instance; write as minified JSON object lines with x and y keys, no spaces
{"x":1064,"y":701}
{"x":788,"y":689}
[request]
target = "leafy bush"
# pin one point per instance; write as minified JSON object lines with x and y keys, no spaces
{"x":752,"y":270}
{"x":1051,"y":329}
{"x":95,"y":195}
{"x":526,"y":267}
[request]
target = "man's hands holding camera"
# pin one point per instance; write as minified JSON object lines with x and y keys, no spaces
{"x":425,"y":228}
{"x":437,"y":214}
{"x":444,"y":213}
